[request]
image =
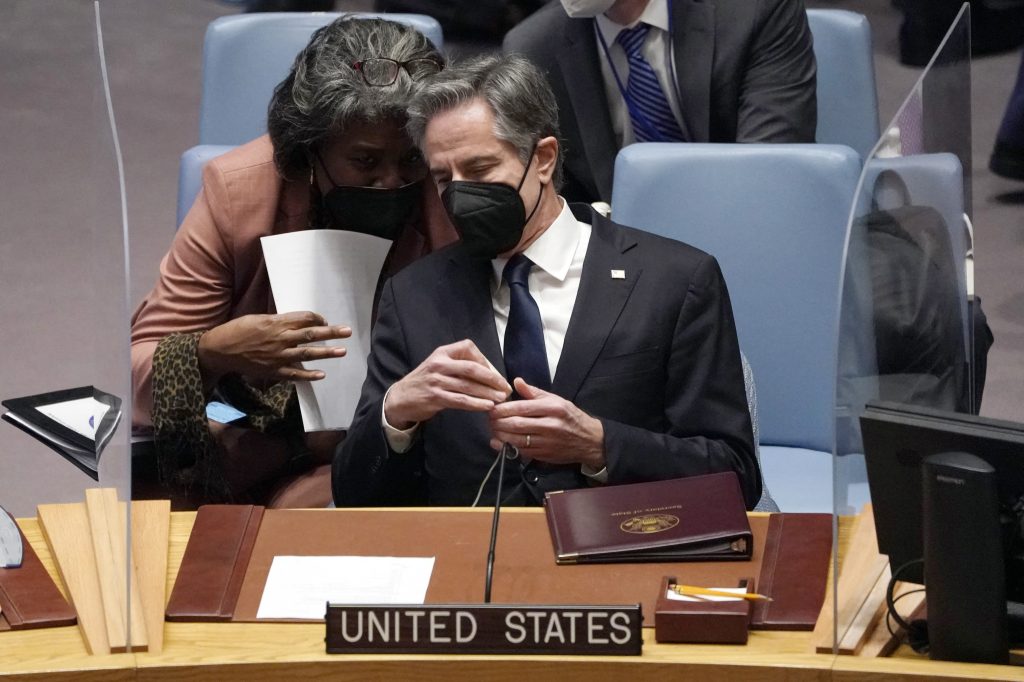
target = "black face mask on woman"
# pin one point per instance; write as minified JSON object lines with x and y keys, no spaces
{"x":376,"y":211}
{"x":489,"y":216}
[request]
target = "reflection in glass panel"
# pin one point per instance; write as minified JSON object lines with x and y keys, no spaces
{"x":63,"y":297}
{"x":906,"y":323}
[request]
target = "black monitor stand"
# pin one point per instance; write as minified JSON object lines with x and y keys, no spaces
{"x":965,"y":580}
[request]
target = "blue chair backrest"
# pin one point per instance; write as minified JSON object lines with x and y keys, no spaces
{"x":775,"y":217}
{"x":190,"y":174}
{"x":847,"y":100}
{"x":245,"y":56}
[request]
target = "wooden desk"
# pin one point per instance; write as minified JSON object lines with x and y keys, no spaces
{"x":263,"y":651}
{"x":56,"y":653}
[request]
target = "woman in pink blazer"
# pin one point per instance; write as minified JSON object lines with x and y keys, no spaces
{"x":336,"y":156}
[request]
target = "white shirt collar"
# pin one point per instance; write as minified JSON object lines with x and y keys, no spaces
{"x":655,"y":14}
{"x":554,"y":249}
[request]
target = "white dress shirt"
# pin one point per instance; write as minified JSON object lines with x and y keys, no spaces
{"x":658,"y":53}
{"x":554,"y":281}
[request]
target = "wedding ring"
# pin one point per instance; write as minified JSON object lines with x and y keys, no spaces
{"x":527,"y":440}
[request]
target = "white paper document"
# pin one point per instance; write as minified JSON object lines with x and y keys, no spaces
{"x":301,"y":586}
{"x":333,"y":273}
{"x":83,"y":416}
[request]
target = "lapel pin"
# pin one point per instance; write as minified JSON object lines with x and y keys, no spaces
{"x":618,"y":274}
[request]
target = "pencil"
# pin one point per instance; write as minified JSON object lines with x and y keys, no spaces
{"x":693,"y":590}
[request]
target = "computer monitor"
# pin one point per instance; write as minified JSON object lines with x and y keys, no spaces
{"x":897,"y":437}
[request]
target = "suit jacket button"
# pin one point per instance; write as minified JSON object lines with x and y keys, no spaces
{"x":532,"y":477}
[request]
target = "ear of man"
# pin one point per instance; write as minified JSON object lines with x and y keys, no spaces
{"x":546,"y":154}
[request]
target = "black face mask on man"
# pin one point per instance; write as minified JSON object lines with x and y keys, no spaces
{"x":489,"y":216}
{"x":376,"y":211}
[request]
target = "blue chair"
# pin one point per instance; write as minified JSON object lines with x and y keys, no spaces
{"x":847,"y":100}
{"x":245,"y":56}
{"x":190,"y":174}
{"x":775,"y":217}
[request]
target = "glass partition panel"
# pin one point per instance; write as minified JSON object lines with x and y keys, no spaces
{"x":905,"y":334}
{"x":63,"y":272}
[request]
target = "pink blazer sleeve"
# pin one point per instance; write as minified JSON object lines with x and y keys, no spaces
{"x":194,"y":288}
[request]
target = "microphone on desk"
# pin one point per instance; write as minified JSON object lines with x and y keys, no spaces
{"x":508,"y":451}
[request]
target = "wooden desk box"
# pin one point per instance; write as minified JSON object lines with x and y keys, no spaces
{"x":701,"y":622}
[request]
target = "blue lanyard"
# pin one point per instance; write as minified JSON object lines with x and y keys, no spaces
{"x":634,"y":113}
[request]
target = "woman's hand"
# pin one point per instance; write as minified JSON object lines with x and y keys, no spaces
{"x":269,"y":346}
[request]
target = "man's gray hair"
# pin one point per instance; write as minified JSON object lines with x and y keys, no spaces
{"x":517,"y":92}
{"x":324,"y":93}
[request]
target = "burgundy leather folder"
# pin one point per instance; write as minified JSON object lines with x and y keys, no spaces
{"x":28,"y":596}
{"x":794,"y":569}
{"x":698,"y":518}
{"x":215,"y":561}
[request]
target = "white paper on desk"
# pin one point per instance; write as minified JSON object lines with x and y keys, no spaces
{"x":300,"y":586}
{"x":333,"y":273}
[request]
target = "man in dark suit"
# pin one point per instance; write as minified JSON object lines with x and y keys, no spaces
{"x":728,"y":71}
{"x":619,"y":346}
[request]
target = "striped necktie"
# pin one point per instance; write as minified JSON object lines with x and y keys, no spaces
{"x":649,"y":111}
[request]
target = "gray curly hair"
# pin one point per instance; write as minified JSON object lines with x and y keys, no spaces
{"x":524,"y":107}
{"x":323,"y":93}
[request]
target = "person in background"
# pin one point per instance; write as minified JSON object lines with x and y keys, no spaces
{"x":1007,"y":157}
{"x":480,"y":23}
{"x":618,"y":345}
{"x":336,"y":157}
{"x":628,"y":71}
{"x":996,"y":26}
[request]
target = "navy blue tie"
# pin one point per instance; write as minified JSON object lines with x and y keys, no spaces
{"x":649,"y":111}
{"x":525,"y":356}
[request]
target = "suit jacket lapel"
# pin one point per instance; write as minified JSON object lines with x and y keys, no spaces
{"x":581,"y":73}
{"x":599,"y":302}
{"x":694,"y":48}
{"x":470,"y":312}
